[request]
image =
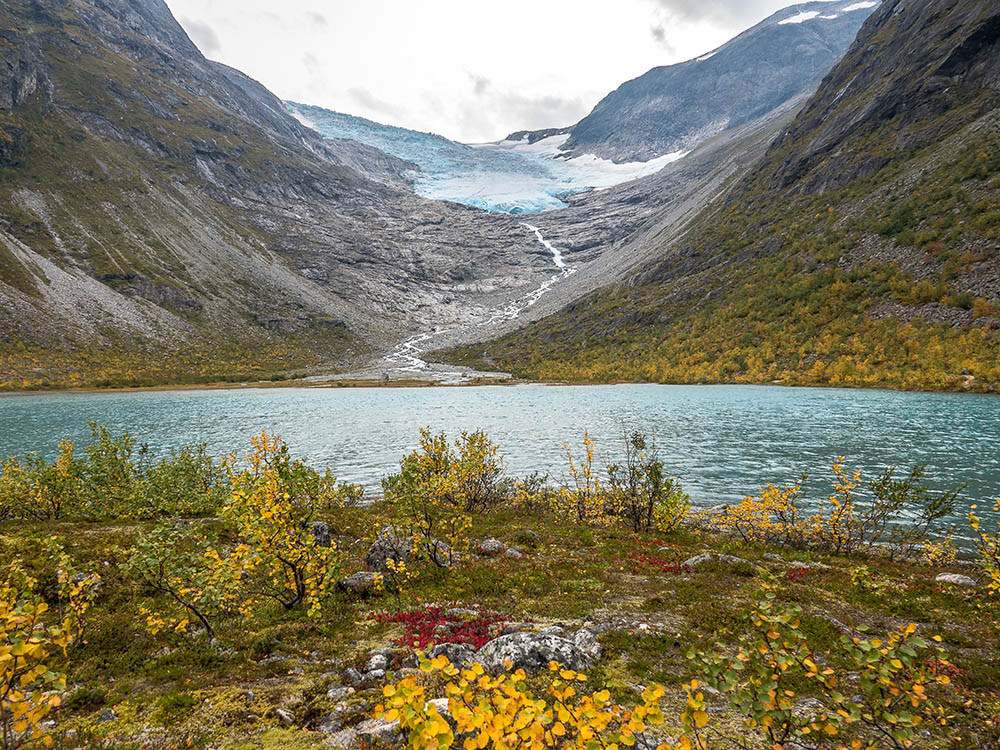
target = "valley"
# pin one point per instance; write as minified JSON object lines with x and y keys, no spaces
{"x":738,"y":490}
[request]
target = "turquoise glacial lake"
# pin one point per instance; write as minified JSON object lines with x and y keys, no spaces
{"x":722,"y":442}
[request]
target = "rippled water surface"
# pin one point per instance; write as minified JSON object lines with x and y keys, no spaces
{"x":721,"y":441}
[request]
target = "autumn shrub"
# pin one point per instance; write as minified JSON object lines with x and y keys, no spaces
{"x":988,"y":547}
{"x":439,"y":486}
{"x":773,"y":517}
{"x":897,"y":515}
{"x":30,"y":641}
{"x":468,"y":474}
{"x":268,"y":550}
{"x":271,"y":510}
{"x":509,"y":711}
{"x":36,"y":490}
{"x":639,"y":491}
{"x":785,"y":692}
{"x":583,"y":499}
{"x":111,"y":480}
{"x":174,"y":561}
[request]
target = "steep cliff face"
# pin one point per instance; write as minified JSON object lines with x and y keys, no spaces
{"x":862,"y":249}
{"x":163,"y":216}
{"x":917,"y":72}
{"x":676,"y":107}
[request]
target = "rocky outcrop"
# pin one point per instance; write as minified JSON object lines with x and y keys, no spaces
{"x":912,"y":63}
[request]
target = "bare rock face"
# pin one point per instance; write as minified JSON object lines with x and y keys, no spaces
{"x":911,"y":62}
{"x":532,"y":652}
{"x":22,"y":74}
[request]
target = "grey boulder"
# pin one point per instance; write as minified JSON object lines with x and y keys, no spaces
{"x":956,"y":579}
{"x":388,"y":546}
{"x":532,"y":652}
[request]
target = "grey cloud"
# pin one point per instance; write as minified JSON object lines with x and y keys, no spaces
{"x":480,"y":84}
{"x":375,"y":106}
{"x":742,"y":12}
{"x":203,"y":36}
{"x":483,"y":119}
{"x":317,"y":19}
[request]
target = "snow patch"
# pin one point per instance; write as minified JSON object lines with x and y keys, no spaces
{"x":705,"y":57}
{"x":859,"y":6}
{"x":806,"y":15}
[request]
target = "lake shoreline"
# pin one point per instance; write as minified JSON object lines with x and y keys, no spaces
{"x":477,"y":382}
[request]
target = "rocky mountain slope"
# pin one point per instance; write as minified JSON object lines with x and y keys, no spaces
{"x":863,"y":249}
{"x":162,"y":217}
{"x":676,"y":107}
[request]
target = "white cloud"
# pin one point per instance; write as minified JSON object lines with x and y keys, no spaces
{"x":470,"y":71}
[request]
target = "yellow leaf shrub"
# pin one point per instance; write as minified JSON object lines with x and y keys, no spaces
{"x":878,"y":697}
{"x":29,"y":688}
{"x":506,"y":711}
{"x":988,"y":546}
{"x":844,"y":523}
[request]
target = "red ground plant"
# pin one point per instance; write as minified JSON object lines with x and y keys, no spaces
{"x":433,"y":625}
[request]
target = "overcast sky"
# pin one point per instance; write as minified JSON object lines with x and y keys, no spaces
{"x":471,"y":71}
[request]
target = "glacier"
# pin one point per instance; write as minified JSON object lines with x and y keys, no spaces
{"x":510,"y":176}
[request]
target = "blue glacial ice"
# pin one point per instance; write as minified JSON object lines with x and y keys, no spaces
{"x":507,"y":176}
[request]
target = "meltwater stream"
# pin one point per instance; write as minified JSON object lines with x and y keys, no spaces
{"x":405,"y":359}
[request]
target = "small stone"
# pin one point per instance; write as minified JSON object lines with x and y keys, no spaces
{"x":377,"y":729}
{"x":459,"y":654}
{"x":360,"y":584}
{"x":808,"y":708}
{"x":352,"y":676}
{"x":709,"y":557}
{"x":285,"y":717}
{"x":339,"y":692}
{"x":388,"y":546}
{"x":107,"y":715}
{"x":321,"y":533}
{"x":374,"y":676}
{"x":555,"y":630}
{"x":344,"y":739}
{"x":585,"y":640}
{"x":330,"y":723}
{"x":514,"y":553}
{"x":956,"y":579}
{"x":491,"y":548}
{"x":515,"y":627}
{"x":461,"y":612}
{"x":773,"y":557}
{"x":377,"y":662}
